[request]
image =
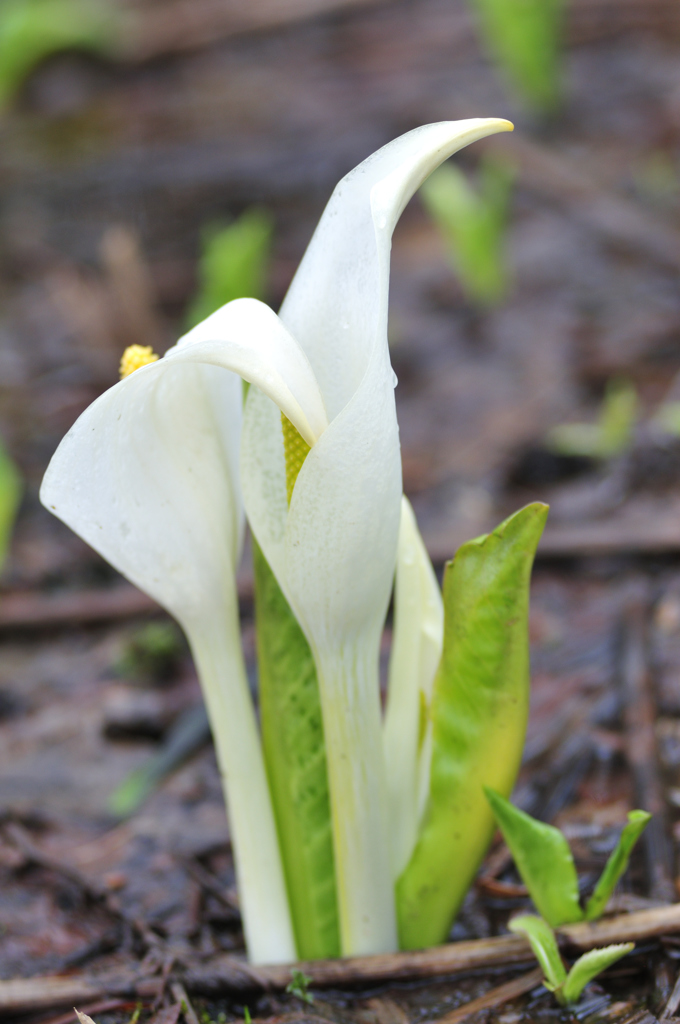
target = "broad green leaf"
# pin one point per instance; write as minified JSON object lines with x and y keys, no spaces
{"x":233,"y":264}
{"x":31,"y":30}
{"x":10,"y":496}
{"x":295,"y":758}
{"x":479,"y":713}
{"x":617,"y":863}
{"x":543,"y":942}
{"x":473,"y":223}
{"x":588,"y":967}
{"x":524,"y":37}
{"x":543,"y":859}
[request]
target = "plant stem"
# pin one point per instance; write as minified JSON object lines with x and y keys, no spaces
{"x":264,"y":903}
{"x":356,"y":773}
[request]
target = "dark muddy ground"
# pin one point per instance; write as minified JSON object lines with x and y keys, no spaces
{"x":188,"y":132}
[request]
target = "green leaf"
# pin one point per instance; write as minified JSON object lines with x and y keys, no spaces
{"x":543,"y":942}
{"x":617,"y":419}
{"x":298,"y":986}
{"x":11,"y":488}
{"x":617,"y":863}
{"x":479,"y":713}
{"x":31,"y":30}
{"x":610,"y":435}
{"x":543,"y":859}
{"x":588,"y":967}
{"x":473,"y":224}
{"x":295,"y":758}
{"x":233,"y":264}
{"x":524,"y":37}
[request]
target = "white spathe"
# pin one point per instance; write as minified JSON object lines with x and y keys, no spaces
{"x":334,"y":550}
{"x":148,"y":476}
{"x":417,"y":643}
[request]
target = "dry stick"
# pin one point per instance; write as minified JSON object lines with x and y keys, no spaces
{"x":496,"y":997}
{"x":230,"y":975}
{"x":673,"y":1001}
{"x":639,"y":716}
{"x":34,"y":610}
{"x":180,"y":995}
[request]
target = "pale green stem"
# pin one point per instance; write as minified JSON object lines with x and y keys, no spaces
{"x":266,"y":918}
{"x":350,"y":700}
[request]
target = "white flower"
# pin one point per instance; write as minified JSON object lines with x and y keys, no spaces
{"x":148,"y":476}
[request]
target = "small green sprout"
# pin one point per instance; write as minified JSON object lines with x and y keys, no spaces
{"x":32,"y":30}
{"x":233,"y":263}
{"x":547,"y":868}
{"x":610,"y":435}
{"x":298,"y":986}
{"x":247,"y":1019}
{"x":473,"y":223}
{"x":11,"y":488}
{"x":566,"y":987}
{"x":151,"y":652}
{"x":524,"y":37}
{"x":221,"y":1017}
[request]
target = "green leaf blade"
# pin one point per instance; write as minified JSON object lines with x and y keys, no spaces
{"x":544,"y":946}
{"x":588,"y":967}
{"x":543,"y":859}
{"x":295,"y":759}
{"x":479,"y":713}
{"x":617,"y":864}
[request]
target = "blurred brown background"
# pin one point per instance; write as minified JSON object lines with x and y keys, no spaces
{"x":109,"y":171}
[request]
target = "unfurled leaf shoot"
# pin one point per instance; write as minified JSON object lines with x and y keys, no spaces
{"x":617,"y":864}
{"x":543,"y":859}
{"x":544,"y":945}
{"x":566,"y":986}
{"x":588,"y":967}
{"x":546,"y":864}
{"x":479,"y":713}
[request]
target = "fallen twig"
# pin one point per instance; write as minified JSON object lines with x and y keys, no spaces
{"x":35,"y":610}
{"x":496,"y":997}
{"x":230,"y":974}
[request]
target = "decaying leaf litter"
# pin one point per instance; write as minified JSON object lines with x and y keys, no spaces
{"x":108,"y":175}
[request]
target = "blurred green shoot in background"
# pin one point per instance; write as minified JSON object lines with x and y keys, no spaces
{"x":668,"y":418}
{"x":11,"y":488}
{"x":473,"y":222}
{"x":233,"y":264}
{"x":33,"y":30}
{"x":524,"y":37}
{"x":610,"y":435}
